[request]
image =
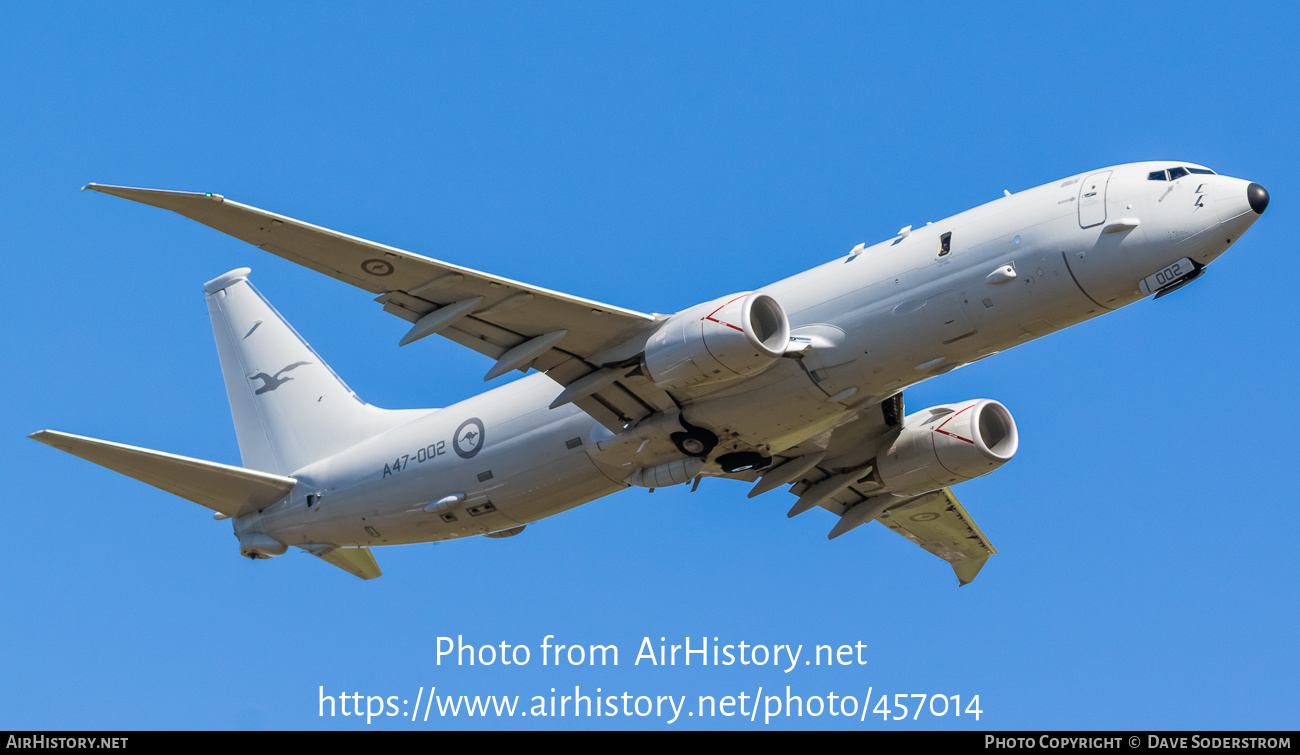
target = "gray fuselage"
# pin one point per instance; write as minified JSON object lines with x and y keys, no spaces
{"x":878,"y":321}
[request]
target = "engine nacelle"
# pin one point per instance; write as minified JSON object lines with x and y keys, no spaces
{"x":948,"y":444}
{"x":732,"y":337}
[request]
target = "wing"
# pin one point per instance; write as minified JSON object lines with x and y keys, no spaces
{"x":938,"y":523}
{"x":833,"y":471}
{"x":573,"y":340}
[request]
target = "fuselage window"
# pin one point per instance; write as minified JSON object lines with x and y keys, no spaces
{"x":945,"y":244}
{"x":1177,"y":173}
{"x":1157,"y":175}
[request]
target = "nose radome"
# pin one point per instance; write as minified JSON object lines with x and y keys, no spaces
{"x":1258,"y":197}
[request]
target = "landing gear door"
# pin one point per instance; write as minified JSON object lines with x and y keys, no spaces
{"x":1092,"y":199}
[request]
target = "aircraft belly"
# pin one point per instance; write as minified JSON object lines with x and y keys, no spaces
{"x":769,"y":419}
{"x":540,"y":468}
{"x":1099,"y":268}
{"x":1043,"y":299}
{"x":946,"y":316}
{"x":552,"y":486}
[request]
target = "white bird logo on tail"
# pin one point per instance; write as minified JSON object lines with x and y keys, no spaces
{"x":271,"y":382}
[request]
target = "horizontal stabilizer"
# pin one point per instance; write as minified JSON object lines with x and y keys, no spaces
{"x":233,"y":491}
{"x":355,"y":561}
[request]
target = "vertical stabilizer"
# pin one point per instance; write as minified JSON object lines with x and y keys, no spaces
{"x":289,"y":407}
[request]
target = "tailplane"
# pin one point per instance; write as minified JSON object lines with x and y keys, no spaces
{"x":229,"y":491}
{"x":290,"y":409}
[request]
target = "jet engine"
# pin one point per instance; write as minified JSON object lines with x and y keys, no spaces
{"x":732,"y":337}
{"x":948,"y":444}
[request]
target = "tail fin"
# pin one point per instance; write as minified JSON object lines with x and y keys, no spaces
{"x":289,"y":407}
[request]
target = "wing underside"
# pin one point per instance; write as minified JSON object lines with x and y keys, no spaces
{"x":935,"y":521}
{"x":940,"y":524}
{"x":834,"y":472}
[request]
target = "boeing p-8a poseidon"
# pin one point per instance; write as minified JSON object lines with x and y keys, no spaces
{"x":799,"y":383}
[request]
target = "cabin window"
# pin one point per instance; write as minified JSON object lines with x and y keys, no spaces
{"x":945,"y":244}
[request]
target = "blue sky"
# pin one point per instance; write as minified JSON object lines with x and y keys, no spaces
{"x":650,"y":156}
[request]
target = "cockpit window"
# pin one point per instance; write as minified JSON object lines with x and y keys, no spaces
{"x":1175,"y":173}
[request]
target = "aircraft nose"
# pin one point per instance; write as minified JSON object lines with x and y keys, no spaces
{"x":1258,"y":197}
